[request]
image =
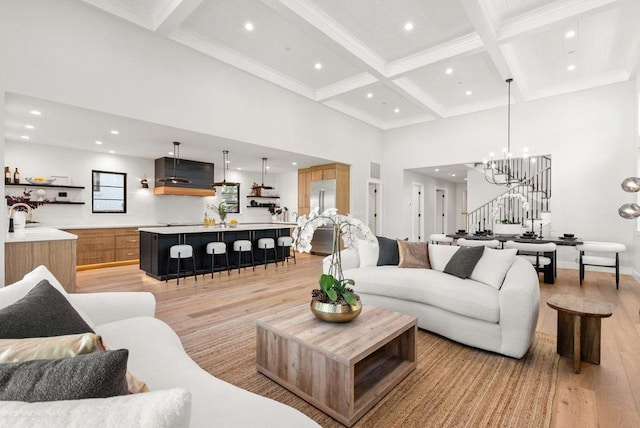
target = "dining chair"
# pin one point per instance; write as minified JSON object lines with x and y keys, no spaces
{"x":493,"y":243}
{"x":600,"y":260}
{"x":538,"y":256}
{"x":440,"y":238}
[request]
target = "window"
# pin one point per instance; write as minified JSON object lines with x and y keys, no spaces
{"x":109,"y":192}
{"x":231,"y":197}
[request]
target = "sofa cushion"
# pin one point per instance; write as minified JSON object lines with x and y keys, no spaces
{"x":464,"y":261}
{"x":157,"y":409}
{"x":439,"y":255}
{"x":413,"y":254}
{"x":368,"y":252}
{"x":49,"y":348}
{"x":462,"y":296}
{"x":493,"y":266}
{"x":42,"y":312}
{"x":96,"y":375}
{"x":388,"y":254}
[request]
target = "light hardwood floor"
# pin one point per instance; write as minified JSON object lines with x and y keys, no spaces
{"x":607,"y":395}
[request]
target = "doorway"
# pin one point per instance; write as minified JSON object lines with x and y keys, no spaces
{"x":374,"y":198}
{"x":441,"y":212}
{"x":417,"y":214}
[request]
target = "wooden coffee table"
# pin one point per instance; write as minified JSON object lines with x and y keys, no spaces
{"x":579,"y":327}
{"x":342,"y":369}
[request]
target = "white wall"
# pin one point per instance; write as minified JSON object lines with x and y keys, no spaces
{"x":590,"y":135}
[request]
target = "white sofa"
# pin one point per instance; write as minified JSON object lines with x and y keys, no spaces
{"x":467,"y":311}
{"x":156,"y":356}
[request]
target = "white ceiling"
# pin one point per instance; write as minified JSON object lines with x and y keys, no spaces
{"x":363,"y":47}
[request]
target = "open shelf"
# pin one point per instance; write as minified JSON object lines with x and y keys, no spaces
{"x":268,"y":197}
{"x":42,"y":186}
{"x":64,"y":203}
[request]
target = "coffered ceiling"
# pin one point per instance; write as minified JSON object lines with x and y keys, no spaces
{"x":394,"y":63}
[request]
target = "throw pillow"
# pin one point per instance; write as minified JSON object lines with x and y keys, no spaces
{"x":413,"y":254}
{"x":97,"y":375}
{"x":368,"y":252}
{"x":464,"y":261}
{"x":42,"y":312}
{"x":388,"y":254}
{"x":49,"y":348}
{"x":493,"y":266}
{"x":158,"y":409}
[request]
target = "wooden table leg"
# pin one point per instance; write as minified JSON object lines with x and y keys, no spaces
{"x":576,"y":343}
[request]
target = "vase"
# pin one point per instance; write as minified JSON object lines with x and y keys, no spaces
{"x":335,"y":312}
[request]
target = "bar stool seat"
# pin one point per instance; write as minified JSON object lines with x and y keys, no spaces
{"x":268,"y":244}
{"x":286,"y":242}
{"x":242,"y":246}
{"x":215,"y":249}
{"x":179,"y":252}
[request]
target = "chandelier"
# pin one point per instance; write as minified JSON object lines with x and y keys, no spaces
{"x":508,"y":170}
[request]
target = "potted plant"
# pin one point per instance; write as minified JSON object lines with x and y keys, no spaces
{"x":507,"y":225}
{"x":335,"y":300}
{"x":221,"y":209}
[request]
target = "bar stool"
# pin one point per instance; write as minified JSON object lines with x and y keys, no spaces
{"x":215,"y":249}
{"x":179,"y":252}
{"x":242,"y":246}
{"x":268,"y":244}
{"x":600,"y":247}
{"x":286,"y":242}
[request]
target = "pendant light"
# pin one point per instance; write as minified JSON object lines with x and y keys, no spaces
{"x":176,"y":159}
{"x":264,"y":171}
{"x":225,"y":166}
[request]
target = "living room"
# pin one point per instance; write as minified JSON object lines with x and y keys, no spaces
{"x":76,"y":54}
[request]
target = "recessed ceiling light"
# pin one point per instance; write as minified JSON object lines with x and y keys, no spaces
{"x":453,"y":175}
{"x":115,"y":132}
{"x":227,"y":161}
{"x":370,"y":95}
{"x":29,"y":126}
{"x":571,"y":67}
{"x":465,"y":179}
{"x":112,"y":151}
{"x":317,"y":66}
{"x":437,"y":169}
{"x":239,"y":169}
{"x":35,"y":112}
{"x":98,"y":142}
{"x":569,"y":34}
{"x":449,"y":70}
{"x":396,"y":110}
{"x":268,"y":167}
{"x":248,"y":26}
{"x":408,"y":26}
{"x":170,"y":153}
{"x":24,"y":137}
{"x":294,"y":163}
{"x":468,"y":93}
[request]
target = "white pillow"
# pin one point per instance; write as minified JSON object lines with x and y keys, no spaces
{"x":16,"y":291}
{"x":368,"y":252}
{"x":158,"y":409}
{"x":493,"y":266}
{"x":439,"y":255}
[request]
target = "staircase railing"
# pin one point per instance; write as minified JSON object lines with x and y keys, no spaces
{"x":519,"y":203}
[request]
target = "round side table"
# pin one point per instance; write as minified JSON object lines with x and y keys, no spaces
{"x":579,"y":327}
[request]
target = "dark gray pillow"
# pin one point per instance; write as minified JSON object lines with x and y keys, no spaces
{"x":389,"y":253}
{"x":463,"y":261}
{"x":42,"y":312}
{"x":97,"y":375}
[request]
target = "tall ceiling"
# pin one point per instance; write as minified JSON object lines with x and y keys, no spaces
{"x":454,"y":60}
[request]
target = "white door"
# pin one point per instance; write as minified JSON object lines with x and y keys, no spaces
{"x":441,"y":215}
{"x":417,"y":212}
{"x":373,"y":207}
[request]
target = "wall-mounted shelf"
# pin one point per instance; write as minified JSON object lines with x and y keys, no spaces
{"x":42,"y":186}
{"x":267,"y":197}
{"x":64,"y":203}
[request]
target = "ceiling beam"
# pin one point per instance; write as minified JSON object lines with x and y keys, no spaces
{"x":125,"y":11}
{"x":167,"y":15}
{"x":349,"y":84}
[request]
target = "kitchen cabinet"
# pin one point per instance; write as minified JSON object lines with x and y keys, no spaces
{"x":335,"y":171}
{"x":101,"y":247}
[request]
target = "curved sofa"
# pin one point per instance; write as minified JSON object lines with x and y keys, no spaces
{"x":470,"y":312}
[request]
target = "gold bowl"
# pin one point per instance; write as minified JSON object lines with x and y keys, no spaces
{"x":335,"y":312}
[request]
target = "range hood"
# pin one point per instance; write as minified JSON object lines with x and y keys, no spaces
{"x":198,"y":174}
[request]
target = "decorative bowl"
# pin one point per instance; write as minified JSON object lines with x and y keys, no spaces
{"x":569,"y":235}
{"x":338,"y":313}
{"x":40,"y":180}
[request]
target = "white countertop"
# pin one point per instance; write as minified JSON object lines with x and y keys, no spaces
{"x":32,"y":234}
{"x":171,"y":230}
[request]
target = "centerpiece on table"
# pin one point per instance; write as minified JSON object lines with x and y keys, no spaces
{"x":221,"y":209}
{"x":335,"y":300}
{"x":508,"y":225}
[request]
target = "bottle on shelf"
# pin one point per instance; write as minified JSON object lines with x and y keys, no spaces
{"x":7,"y":175}
{"x":16,"y":176}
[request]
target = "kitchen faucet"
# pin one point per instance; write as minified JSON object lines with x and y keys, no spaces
{"x":12,"y":209}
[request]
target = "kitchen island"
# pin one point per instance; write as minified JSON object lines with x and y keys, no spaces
{"x":26,"y":249}
{"x":156,"y":241}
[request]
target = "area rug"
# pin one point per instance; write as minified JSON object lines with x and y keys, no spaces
{"x":453,"y":385}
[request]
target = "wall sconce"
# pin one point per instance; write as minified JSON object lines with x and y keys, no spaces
{"x":631,"y":210}
{"x":144,"y":183}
